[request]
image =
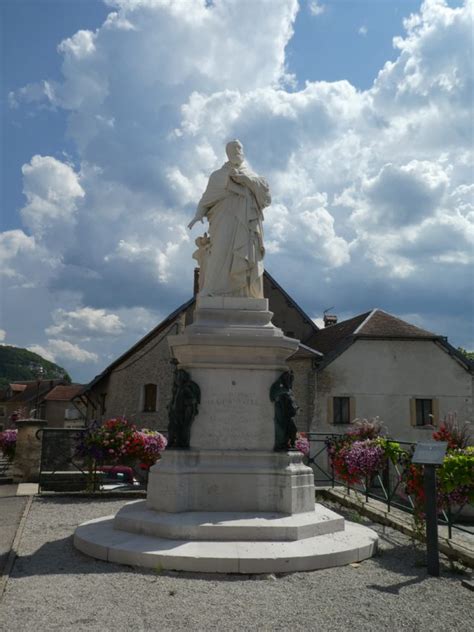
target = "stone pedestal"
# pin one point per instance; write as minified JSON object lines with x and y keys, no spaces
{"x":229,"y":503}
{"x":26,"y":464}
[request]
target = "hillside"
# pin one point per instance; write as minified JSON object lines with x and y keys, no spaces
{"x":20,"y":364}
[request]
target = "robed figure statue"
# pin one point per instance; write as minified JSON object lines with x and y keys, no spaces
{"x":233,"y":203}
{"x":182,"y":409}
{"x":281,"y":393}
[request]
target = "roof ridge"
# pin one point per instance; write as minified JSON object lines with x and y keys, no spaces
{"x":366,"y":320}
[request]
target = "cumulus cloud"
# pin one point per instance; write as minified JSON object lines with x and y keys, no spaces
{"x":371,"y":189}
{"x":52,"y":190}
{"x":85,"y":323}
{"x":63,"y":351}
{"x":316,"y":7}
{"x":3,"y":334}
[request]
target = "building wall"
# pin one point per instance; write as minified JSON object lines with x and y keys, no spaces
{"x":54,"y":413}
{"x":285,"y":315}
{"x":383,"y":376}
{"x":149,"y":365}
{"x":304,"y":391}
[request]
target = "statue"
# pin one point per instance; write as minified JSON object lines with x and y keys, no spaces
{"x":233,"y":203}
{"x":285,"y":411}
{"x":201,"y":255}
{"x":185,"y":399}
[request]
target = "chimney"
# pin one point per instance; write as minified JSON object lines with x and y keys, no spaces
{"x":196,"y":282}
{"x":330,"y":319}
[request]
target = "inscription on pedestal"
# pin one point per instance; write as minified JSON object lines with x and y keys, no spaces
{"x":234,"y":421}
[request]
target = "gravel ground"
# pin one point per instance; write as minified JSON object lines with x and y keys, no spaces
{"x":54,"y":587}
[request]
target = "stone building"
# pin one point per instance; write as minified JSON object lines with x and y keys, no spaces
{"x":138,"y":384}
{"x":371,"y":365}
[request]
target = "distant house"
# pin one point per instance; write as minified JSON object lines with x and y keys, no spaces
{"x":378,"y":365}
{"x":43,"y":399}
{"x":60,"y":409}
{"x":371,"y":365}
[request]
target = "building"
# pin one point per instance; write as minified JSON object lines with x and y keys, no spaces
{"x":378,"y":365}
{"x":371,"y":365}
{"x":44,"y":399}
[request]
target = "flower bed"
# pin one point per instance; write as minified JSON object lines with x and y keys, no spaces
{"x":8,"y":443}
{"x":361,"y":453}
{"x":117,"y":441}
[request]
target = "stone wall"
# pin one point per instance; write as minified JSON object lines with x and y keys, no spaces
{"x":285,"y":315}
{"x":148,"y":365}
{"x":304,"y":391}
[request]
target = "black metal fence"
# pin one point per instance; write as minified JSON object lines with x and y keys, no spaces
{"x":386,"y":486}
{"x":62,"y":469}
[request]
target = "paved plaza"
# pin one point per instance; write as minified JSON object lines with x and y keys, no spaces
{"x":52,"y":587}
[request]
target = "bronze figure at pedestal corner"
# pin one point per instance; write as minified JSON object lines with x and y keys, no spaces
{"x":285,"y":411}
{"x":183,"y":408}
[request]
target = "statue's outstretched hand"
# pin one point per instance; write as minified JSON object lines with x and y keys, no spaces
{"x":194,"y":220}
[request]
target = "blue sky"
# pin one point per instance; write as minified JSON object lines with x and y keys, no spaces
{"x":114,"y":114}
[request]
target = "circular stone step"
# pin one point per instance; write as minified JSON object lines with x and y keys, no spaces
{"x":136,"y":517}
{"x":99,"y":539}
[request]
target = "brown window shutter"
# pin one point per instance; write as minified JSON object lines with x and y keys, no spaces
{"x":413,"y":411}
{"x":330,"y":410}
{"x":435,"y":411}
{"x":352,"y":409}
{"x":150,"y":398}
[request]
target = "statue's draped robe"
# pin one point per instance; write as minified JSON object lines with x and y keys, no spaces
{"x":234,"y":265}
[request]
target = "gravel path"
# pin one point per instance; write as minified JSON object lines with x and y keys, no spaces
{"x":53,"y":587}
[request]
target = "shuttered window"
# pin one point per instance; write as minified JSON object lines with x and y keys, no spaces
{"x":341,"y":410}
{"x":149,"y":398}
{"x":424,"y":412}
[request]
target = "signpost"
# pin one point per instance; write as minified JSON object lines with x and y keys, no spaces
{"x":431,"y":455}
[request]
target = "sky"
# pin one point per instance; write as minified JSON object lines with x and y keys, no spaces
{"x":358,"y":112}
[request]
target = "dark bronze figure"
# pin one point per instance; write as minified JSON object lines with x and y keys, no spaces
{"x":285,"y":411}
{"x":184,"y":405}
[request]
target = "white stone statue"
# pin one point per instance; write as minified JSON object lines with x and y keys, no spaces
{"x":233,"y":203}
{"x":201,"y":255}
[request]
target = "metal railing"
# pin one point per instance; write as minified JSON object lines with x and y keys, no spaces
{"x":62,"y":469}
{"x":386,"y":486}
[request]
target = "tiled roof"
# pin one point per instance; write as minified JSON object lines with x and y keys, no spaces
{"x":17,"y":388}
{"x":32,"y":390}
{"x":379,"y":324}
{"x":64,"y":393}
{"x":325,"y":340}
{"x":373,"y":324}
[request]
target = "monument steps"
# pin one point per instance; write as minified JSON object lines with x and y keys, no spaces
{"x":99,"y":539}
{"x":136,"y":517}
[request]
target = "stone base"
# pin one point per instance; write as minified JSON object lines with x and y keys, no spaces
{"x":136,"y":517}
{"x":231,"y":480}
{"x":103,"y":540}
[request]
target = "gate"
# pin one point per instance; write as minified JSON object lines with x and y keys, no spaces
{"x":60,"y":468}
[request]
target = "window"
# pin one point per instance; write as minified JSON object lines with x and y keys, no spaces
{"x":2,"y":411}
{"x":341,"y":410}
{"x":102,"y":403}
{"x":149,"y":398}
{"x":424,"y":411}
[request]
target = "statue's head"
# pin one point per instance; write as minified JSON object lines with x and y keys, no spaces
{"x":235,"y":152}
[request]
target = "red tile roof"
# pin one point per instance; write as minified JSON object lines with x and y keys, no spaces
{"x":64,"y":393}
{"x":17,"y":388}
